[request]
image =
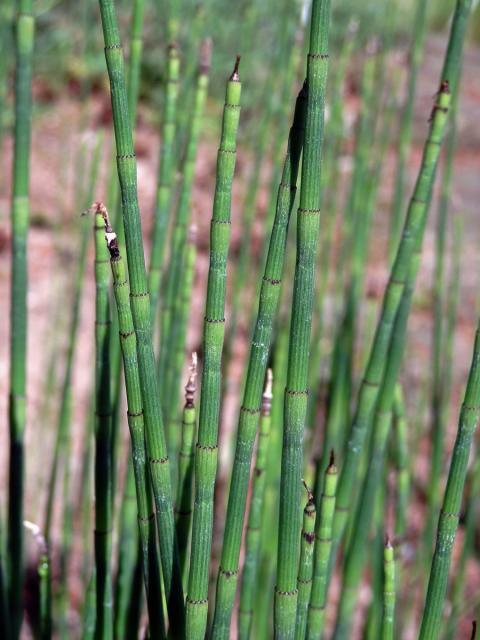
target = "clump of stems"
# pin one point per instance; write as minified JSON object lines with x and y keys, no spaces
{"x":259,"y":350}
{"x":140,"y":306}
{"x":145,"y":515}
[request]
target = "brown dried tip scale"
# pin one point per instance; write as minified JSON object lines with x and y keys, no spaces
{"x":235,"y":77}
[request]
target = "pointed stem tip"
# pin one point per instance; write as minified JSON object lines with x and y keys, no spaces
{"x":235,"y":77}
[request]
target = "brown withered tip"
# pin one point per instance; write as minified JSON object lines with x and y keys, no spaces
{"x":205,"y":58}
{"x":172,"y":47}
{"x":388,"y":542}
{"x":309,"y":492}
{"x":332,"y":458}
{"x":235,"y":77}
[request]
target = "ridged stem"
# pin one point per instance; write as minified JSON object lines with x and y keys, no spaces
{"x":206,"y":453}
{"x":305,"y":567}
{"x":255,"y":518}
{"x":20,"y":211}
{"x":143,"y":491}
{"x":449,"y":514}
{"x":323,"y":546}
{"x":296,"y":392}
{"x":103,"y":439}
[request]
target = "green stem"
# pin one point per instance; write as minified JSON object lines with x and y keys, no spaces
{"x":449,"y":514}
{"x":305,"y":567}
{"x":388,"y":592}
{"x":323,"y":546}
{"x":296,"y":392}
{"x":213,"y":336}
{"x":255,"y":518}
{"x":25,"y":27}
{"x":103,"y":439}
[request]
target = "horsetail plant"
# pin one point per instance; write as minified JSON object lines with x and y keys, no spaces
{"x":255,"y":516}
{"x":388,"y":591}
{"x":252,"y":398}
{"x":449,"y":514}
{"x":103,"y":436}
{"x":140,"y":306}
{"x":145,"y":515}
{"x":323,"y":546}
{"x":165,"y":178}
{"x":17,"y":410}
{"x":305,"y":566}
{"x":213,"y":335}
{"x":296,"y":392}
{"x":409,"y":243}
{"x":183,"y":509}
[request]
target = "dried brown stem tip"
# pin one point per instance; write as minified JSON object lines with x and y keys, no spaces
{"x":332,"y":459}
{"x":388,"y":543}
{"x":110,"y":235}
{"x":474,"y":630}
{"x":235,"y":77}
{"x":309,"y":492}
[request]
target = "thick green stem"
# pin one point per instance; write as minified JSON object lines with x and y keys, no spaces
{"x":296,"y":392}
{"x":25,"y":26}
{"x":449,"y":514}
{"x":103,"y":439}
{"x":213,"y":335}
